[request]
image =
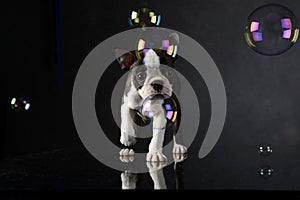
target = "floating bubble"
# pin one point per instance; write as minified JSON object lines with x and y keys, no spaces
{"x":164,"y":43}
{"x":265,"y":149}
{"x":271,"y":29}
{"x":144,"y":18}
{"x":20,"y":104}
{"x":168,"y":104}
{"x":266,"y":171}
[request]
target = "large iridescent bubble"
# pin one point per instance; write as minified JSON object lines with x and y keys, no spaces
{"x":168,"y":104}
{"x":271,"y":29}
{"x":161,"y":39}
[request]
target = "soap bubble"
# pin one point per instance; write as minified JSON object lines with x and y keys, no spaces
{"x":144,"y":17}
{"x":20,"y":104}
{"x":164,"y":43}
{"x":266,"y":171}
{"x":168,"y":104}
{"x":265,"y":149}
{"x":271,"y":29}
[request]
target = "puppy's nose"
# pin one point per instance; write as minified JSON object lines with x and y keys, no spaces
{"x":157,"y":85}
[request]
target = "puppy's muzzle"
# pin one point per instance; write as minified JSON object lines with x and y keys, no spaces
{"x":157,"y":85}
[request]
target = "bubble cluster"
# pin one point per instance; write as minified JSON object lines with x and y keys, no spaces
{"x":271,"y":29}
{"x":20,"y":104}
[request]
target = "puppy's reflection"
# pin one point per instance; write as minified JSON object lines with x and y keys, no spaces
{"x":129,"y":179}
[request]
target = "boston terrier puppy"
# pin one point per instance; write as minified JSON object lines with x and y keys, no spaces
{"x":150,"y":78}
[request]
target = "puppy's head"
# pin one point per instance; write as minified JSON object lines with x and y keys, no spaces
{"x":150,"y":72}
{"x":152,"y":77}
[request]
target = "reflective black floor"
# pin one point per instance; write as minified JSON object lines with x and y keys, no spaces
{"x":65,"y":169}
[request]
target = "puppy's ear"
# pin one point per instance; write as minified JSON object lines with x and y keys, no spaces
{"x":174,"y":38}
{"x":125,"y":58}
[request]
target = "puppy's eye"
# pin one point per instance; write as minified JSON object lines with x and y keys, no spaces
{"x":141,"y":76}
{"x":168,"y":73}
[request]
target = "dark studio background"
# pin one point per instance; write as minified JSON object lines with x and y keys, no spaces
{"x":43,"y":45}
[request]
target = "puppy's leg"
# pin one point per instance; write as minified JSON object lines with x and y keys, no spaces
{"x":127,"y":127}
{"x":178,"y":147}
{"x":179,"y":150}
{"x":159,"y":125}
{"x":178,"y":172}
{"x":179,"y":157}
{"x":156,"y":173}
{"x":128,"y":180}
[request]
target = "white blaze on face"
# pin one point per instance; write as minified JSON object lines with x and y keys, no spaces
{"x":151,"y":59}
{"x":152,"y":63}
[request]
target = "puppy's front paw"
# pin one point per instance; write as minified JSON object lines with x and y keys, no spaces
{"x":127,"y":140}
{"x":179,"y":149}
{"x":179,"y":157}
{"x":156,"y":157}
{"x":179,"y":153}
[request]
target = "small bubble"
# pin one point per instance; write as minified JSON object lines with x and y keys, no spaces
{"x":265,"y":149}
{"x":20,"y":104}
{"x":265,"y":171}
{"x":144,"y":17}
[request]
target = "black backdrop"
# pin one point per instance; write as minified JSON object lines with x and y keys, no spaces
{"x":262,"y":91}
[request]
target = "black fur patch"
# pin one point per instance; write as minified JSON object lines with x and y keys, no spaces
{"x":137,"y":72}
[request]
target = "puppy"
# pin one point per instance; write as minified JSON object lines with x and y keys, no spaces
{"x":148,"y":78}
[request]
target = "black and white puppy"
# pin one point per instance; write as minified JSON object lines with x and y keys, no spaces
{"x":148,"y":76}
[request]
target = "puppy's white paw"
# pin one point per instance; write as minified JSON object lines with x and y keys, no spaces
{"x":179,"y":157}
{"x":128,"y":180}
{"x":156,"y":157}
{"x":126,"y":152}
{"x":127,"y":140}
{"x":179,"y":149}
